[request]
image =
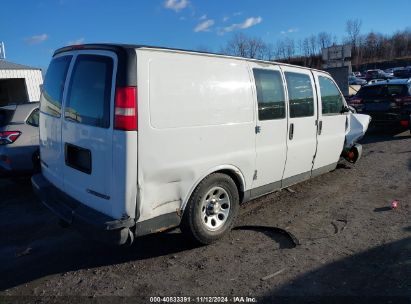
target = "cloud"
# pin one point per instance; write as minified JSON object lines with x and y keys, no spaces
{"x":225,"y":18}
{"x":237,"y":14}
{"x":204,"y":26}
{"x":203,"y":17}
{"x":290,"y":31}
{"x":36,"y":39}
{"x":249,"y":22}
{"x":76,"y":42}
{"x":176,"y":5}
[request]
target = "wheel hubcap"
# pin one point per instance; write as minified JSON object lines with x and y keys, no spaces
{"x":215,"y":208}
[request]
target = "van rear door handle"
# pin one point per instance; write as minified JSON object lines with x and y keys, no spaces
{"x":320,"y":127}
{"x":291,"y":134}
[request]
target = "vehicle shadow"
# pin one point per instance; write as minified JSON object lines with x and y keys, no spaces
{"x":68,"y":251}
{"x":383,"y":271}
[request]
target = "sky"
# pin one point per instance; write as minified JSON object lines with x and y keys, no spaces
{"x":33,"y":29}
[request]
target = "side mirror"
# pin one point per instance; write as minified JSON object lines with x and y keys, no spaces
{"x":345,"y":109}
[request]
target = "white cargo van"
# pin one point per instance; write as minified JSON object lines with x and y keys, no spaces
{"x":136,"y":140}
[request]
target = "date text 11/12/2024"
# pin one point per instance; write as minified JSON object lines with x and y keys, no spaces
{"x":203,"y":299}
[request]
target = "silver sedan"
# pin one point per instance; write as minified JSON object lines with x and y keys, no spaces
{"x":19,"y":138}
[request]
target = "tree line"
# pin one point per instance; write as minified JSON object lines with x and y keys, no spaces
{"x":366,"y":48}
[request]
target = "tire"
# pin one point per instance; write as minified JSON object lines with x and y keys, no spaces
{"x":211,"y":210}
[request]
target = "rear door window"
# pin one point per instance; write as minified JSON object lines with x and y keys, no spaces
{"x":300,"y":94}
{"x":54,"y":85}
{"x":33,"y":119}
{"x":331,"y":99}
{"x":89,"y":92}
{"x":270,"y":94}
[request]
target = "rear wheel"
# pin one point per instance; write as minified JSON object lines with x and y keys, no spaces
{"x":211,"y":209}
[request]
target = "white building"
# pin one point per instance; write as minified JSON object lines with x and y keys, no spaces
{"x":19,"y":83}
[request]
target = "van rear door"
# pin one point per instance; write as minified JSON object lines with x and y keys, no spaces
{"x":50,"y":120}
{"x":87,"y":129}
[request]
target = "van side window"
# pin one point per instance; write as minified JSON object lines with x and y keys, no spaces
{"x":89,"y":92}
{"x":331,"y":99}
{"x":33,"y":119}
{"x":300,"y":94}
{"x":53,"y":86}
{"x":270,"y":94}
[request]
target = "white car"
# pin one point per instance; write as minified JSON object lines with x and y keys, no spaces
{"x":136,"y":140}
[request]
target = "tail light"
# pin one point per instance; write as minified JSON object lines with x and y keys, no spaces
{"x":9,"y":137}
{"x":404,"y":123}
{"x":403,"y":101}
{"x":355,"y":101}
{"x":125,"y":117}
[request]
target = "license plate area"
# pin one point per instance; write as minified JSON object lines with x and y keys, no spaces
{"x":78,"y":158}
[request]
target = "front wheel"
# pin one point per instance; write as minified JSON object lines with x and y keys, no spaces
{"x":211,"y":209}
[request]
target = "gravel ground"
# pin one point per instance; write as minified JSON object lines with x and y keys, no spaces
{"x":331,"y":236}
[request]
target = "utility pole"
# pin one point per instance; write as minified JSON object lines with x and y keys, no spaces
{"x":2,"y":51}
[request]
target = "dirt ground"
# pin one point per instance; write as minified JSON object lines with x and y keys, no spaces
{"x":348,"y":243}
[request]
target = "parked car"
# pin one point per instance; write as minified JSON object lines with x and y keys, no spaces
{"x":356,"y":74}
{"x":376,"y":74}
{"x":19,"y":139}
{"x":404,"y":73}
{"x":135,"y":140}
{"x":356,"y":81}
{"x":389,"y":72}
{"x":375,"y":81}
{"x":385,"y":101}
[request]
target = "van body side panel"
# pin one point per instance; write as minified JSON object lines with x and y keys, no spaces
{"x":125,"y":172}
{"x":196,"y":114}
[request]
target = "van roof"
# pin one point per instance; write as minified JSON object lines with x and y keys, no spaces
{"x":127,"y":47}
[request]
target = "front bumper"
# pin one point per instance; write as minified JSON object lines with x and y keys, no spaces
{"x":95,"y":225}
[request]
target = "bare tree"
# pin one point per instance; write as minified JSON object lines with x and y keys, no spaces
{"x":306,"y":47}
{"x":244,"y":46}
{"x":353,"y":29}
{"x":324,"y":40}
{"x":289,"y":46}
{"x":313,"y":44}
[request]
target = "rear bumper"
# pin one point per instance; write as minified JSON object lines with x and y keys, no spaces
{"x":17,"y":160}
{"x":93,"y":224}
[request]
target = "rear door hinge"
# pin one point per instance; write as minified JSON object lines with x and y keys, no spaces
{"x":257,"y":129}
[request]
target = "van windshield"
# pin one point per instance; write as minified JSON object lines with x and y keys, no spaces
{"x":89,"y":92}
